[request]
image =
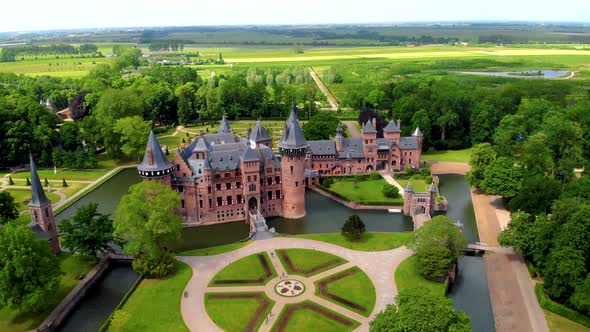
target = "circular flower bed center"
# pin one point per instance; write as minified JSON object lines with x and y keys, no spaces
{"x":290,"y":288}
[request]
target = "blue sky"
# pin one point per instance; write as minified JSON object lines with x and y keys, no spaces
{"x":26,"y":15}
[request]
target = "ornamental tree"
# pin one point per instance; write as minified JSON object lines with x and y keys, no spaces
{"x":420,"y":310}
{"x":353,"y":228}
{"x":87,"y":232}
{"x":29,"y":271}
{"x":8,"y":208}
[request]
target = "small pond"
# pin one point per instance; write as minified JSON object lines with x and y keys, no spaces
{"x":521,"y":74}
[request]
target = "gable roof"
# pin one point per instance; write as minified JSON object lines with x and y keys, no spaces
{"x":391,"y":127}
{"x":250,"y":154}
{"x":38,"y":197}
{"x":224,"y":127}
{"x":259,"y":133}
{"x":368,"y":128}
{"x":322,"y":148}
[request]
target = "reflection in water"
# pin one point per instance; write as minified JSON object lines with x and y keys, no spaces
{"x":101,"y":300}
{"x":456,"y":190}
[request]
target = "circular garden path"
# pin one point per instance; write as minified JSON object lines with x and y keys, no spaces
{"x":215,"y":280}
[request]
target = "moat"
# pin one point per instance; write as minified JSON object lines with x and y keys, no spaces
{"x":323,"y":216}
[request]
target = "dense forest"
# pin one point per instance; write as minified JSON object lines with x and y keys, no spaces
{"x":115,"y":105}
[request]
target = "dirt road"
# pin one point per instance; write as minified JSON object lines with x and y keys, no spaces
{"x":331,"y":98}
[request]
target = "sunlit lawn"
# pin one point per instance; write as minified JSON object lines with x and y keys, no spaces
{"x":356,"y":288}
{"x":407,"y":276}
{"x":368,"y":191}
{"x":461,"y":156}
{"x":370,"y":241}
{"x":63,"y":174}
{"x":23,"y":196}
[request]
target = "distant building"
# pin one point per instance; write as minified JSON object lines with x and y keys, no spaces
{"x":47,"y":104}
{"x":221,"y":177}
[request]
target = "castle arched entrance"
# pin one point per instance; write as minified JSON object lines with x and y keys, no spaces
{"x":420,"y":209}
{"x":252,"y":204}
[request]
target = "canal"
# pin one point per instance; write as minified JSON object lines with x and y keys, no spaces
{"x":323,"y":216}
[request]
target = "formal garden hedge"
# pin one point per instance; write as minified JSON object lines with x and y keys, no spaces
{"x":560,"y":309}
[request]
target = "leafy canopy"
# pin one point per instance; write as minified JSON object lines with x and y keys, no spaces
{"x":87,"y":232}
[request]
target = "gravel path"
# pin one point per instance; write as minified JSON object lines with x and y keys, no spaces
{"x":379,"y":266}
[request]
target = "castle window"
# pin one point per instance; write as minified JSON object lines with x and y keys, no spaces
{"x":278,"y":194}
{"x":46,"y":213}
{"x":252,"y":187}
{"x":182,"y":203}
{"x":218,"y":186}
{"x":177,"y":167}
{"x":227,"y":185}
{"x":238,"y":184}
{"x":269,"y":181}
{"x":291,"y":169}
{"x":227,"y":175}
{"x":219,"y":201}
{"x":201,"y":203}
{"x":255,"y":178}
{"x":239,"y":199}
{"x":269,"y":194}
{"x":210,"y":203}
{"x":249,"y":178}
{"x":180,"y":189}
{"x":209,"y":190}
{"x":229,"y":200}
{"x":296,"y":183}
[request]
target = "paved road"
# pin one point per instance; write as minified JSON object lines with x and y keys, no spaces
{"x":331,"y":98}
{"x":352,"y":130}
{"x":379,"y":266}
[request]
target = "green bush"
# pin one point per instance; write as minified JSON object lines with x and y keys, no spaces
{"x":156,"y":267}
{"x":28,"y":183}
{"x":390,"y":191}
{"x":532,"y":270}
{"x":10,"y":181}
{"x":434,"y":262}
{"x":64,"y":183}
{"x":581,"y":297}
{"x":428,"y":179}
{"x":353,"y":228}
{"x":327,"y":182}
{"x":375,"y":176}
{"x":409,"y":170}
{"x":559,"y":308}
{"x":425,"y":170}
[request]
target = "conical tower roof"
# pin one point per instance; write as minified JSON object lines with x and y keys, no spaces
{"x":293,"y":137}
{"x":38,"y":197}
{"x":154,"y":161}
{"x":339,"y":132}
{"x":368,"y":128}
{"x":259,"y":133}
{"x":224,"y":127}
{"x":391,"y":127}
{"x":417,"y":132}
{"x":409,"y":187}
{"x":432,"y":187}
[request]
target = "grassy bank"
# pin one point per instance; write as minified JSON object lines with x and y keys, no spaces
{"x":370,"y":241}
{"x":214,"y":250}
{"x":407,"y":276}
{"x":367,"y":192}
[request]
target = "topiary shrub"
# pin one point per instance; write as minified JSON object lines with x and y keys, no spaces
{"x":46,"y":183}
{"x":10,"y":181}
{"x":375,"y":176}
{"x":28,"y":183}
{"x":64,"y":183}
{"x":353,"y":228}
{"x":156,"y":267}
{"x":390,"y":191}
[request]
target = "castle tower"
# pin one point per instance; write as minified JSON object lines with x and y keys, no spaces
{"x":43,"y":221}
{"x":408,"y":197}
{"x":260,"y":136}
{"x":224,"y":127}
{"x":369,"y":136}
{"x":154,"y":165}
{"x":339,"y":137}
{"x":418,"y":134}
{"x":293,"y":148}
{"x":250,"y":166}
{"x":392,"y":131}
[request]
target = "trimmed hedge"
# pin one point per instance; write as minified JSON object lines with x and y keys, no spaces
{"x":560,"y":309}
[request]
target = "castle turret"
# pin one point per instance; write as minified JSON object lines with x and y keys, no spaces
{"x":369,"y":136}
{"x":259,"y":135}
{"x":408,"y":195}
{"x":250,"y":166}
{"x":392,"y":131}
{"x":224,"y":127}
{"x":293,"y":148}
{"x":43,"y":221}
{"x":418,"y":134}
{"x":339,"y":137}
{"x":154,"y":165}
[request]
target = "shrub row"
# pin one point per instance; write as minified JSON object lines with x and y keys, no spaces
{"x":372,"y":203}
{"x":560,"y":309}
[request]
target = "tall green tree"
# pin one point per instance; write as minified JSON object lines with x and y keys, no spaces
{"x":134,"y":132}
{"x":146,"y":219}
{"x":8,"y":208}
{"x":564,"y":270}
{"x":87,"y":232}
{"x":536,"y":155}
{"x":419,"y":310}
{"x":502,"y":177}
{"x":29,"y":271}
{"x":481,"y":156}
{"x":321,"y":126}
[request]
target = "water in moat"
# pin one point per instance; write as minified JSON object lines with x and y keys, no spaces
{"x":324,"y":216}
{"x":102,"y":299}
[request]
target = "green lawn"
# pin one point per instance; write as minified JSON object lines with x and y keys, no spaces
{"x":214,"y":250}
{"x":63,"y":174}
{"x":461,"y":156}
{"x":407,"y":276}
{"x":308,"y":259}
{"x":418,"y":184}
{"x":309,"y":320}
{"x":234,"y":314}
{"x":370,"y":241}
{"x":155,"y":304}
{"x":356,"y":288}
{"x":559,"y":323}
{"x":368,"y":192}
{"x":73,"y":266}
{"x":246,"y":268}
{"x":23,"y":196}
{"x":72,"y":188}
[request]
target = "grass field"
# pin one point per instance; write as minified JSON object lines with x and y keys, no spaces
{"x":214,"y":250}
{"x":370,"y":241}
{"x":72,"y":266}
{"x":72,"y":188}
{"x":23,"y":196}
{"x":67,"y":174}
{"x":558,"y":323}
{"x":407,"y":276}
{"x":308,"y":259}
{"x":52,"y":67}
{"x":368,"y":191}
{"x":460,"y":156}
{"x":419,"y":185}
{"x":234,"y":314}
{"x":248,"y":268}
{"x":155,"y":304}
{"x":309,"y":320}
{"x":356,"y":288}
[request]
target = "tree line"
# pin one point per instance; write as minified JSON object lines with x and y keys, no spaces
{"x":11,"y":54}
